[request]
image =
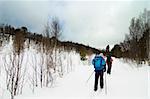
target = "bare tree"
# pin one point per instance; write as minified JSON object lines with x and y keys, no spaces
{"x":138,"y":40}
{"x":56,"y":31}
{"x":52,"y":32}
{"x":13,"y":66}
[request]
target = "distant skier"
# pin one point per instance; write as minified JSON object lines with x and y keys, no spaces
{"x":100,"y":67}
{"x":108,"y":60}
{"x":107,"y":49}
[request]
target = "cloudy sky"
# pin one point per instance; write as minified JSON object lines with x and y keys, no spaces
{"x":95,"y":23}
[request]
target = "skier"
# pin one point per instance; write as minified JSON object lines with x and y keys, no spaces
{"x":108,"y":60}
{"x":100,"y":67}
{"x":109,"y":63}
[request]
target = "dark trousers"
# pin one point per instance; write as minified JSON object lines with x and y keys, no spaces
{"x":109,"y":67}
{"x":97,"y":75}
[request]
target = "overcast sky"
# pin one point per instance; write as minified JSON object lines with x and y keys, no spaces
{"x":94,"y":23}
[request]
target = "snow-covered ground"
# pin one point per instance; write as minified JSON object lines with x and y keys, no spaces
{"x":125,"y":82}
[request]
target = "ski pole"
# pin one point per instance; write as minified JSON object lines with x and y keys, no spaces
{"x":89,"y":77}
{"x":105,"y":85}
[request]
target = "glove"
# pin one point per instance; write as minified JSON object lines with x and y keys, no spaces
{"x":104,"y":70}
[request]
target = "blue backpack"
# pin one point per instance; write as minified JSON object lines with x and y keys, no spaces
{"x":98,"y":63}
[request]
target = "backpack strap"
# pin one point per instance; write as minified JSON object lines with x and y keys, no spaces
{"x":94,"y":63}
{"x":101,"y":63}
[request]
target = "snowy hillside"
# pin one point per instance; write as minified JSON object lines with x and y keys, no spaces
{"x":126,"y":82}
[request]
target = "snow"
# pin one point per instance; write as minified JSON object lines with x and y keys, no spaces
{"x":126,"y":81}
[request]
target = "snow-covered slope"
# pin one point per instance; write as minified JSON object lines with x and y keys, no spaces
{"x":125,"y":82}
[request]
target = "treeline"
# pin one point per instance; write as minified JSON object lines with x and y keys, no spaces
{"x":6,"y":31}
{"x":83,"y":50}
{"x":136,"y":45}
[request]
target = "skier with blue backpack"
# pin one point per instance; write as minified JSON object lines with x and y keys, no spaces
{"x":100,"y":67}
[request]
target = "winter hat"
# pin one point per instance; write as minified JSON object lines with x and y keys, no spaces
{"x":101,"y":54}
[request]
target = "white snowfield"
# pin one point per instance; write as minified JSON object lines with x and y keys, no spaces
{"x":125,"y":82}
